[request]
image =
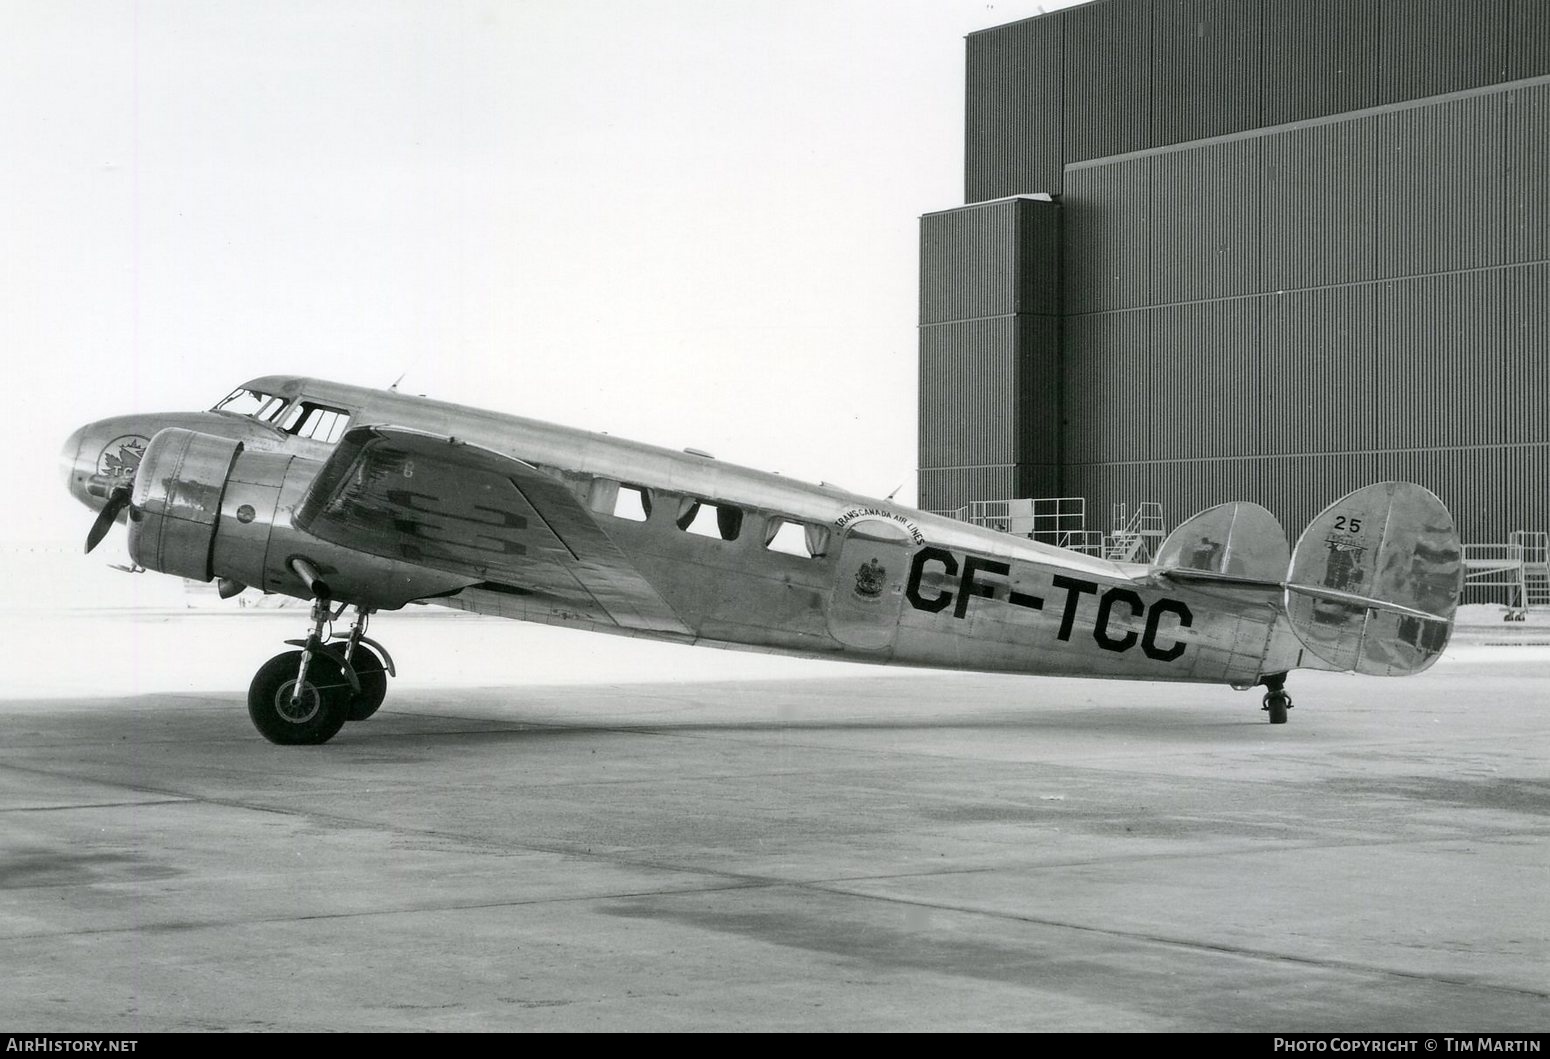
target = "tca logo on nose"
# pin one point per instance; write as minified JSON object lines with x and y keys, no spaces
{"x":121,"y":457}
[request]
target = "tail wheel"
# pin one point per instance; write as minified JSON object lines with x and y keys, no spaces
{"x":372,"y":675}
{"x":314,"y":715}
{"x":1276,"y":704}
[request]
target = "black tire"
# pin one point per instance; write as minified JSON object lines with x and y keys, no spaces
{"x":1276,"y":703}
{"x":373,"y":677}
{"x":325,"y":700}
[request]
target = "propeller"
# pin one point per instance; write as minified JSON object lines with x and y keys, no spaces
{"x":118,"y":499}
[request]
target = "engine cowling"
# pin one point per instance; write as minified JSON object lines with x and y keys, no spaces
{"x":203,"y":507}
{"x":176,"y":501}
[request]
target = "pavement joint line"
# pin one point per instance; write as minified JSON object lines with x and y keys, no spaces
{"x":1202,"y":946}
{"x":185,"y":798}
{"x":1271,"y":850}
{"x":408,"y":910}
{"x":831,"y":887}
{"x":493,"y":726}
{"x":558,"y":785}
{"x":95,"y":805}
{"x":748,"y":881}
{"x":690,"y":731}
{"x":744,"y":880}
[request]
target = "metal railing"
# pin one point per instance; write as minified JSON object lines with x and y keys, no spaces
{"x":1521,"y":567}
{"x":1137,"y":538}
{"x":1062,"y":522}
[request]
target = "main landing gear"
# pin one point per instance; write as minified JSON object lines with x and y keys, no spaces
{"x":306,"y":696}
{"x":1277,"y":701}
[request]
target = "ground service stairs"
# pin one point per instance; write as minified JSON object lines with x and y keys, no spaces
{"x":1135,"y":539}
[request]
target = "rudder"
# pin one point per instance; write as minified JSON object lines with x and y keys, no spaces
{"x":1375,"y":580}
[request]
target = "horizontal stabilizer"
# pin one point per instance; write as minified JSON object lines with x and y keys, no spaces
{"x":1235,"y":581}
{"x":1330,"y":595}
{"x":1231,"y":580}
{"x":1375,"y":580}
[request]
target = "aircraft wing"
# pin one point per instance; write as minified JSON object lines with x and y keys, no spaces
{"x":434,"y":501}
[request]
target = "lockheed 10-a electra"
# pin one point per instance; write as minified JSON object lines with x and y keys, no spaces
{"x":371,"y":499}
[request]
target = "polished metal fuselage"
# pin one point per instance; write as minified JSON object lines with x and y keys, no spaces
{"x":891,"y":585}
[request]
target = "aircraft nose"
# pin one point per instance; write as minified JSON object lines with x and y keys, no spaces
{"x":103,"y":456}
{"x":69,"y":460}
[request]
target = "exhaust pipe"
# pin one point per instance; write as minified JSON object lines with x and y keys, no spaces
{"x":310,"y":576}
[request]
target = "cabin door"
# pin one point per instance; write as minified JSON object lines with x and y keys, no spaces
{"x":867,"y":596}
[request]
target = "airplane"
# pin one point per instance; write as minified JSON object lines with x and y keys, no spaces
{"x":351,"y":497}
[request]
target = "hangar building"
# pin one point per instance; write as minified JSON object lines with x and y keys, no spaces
{"x":1266,"y":250}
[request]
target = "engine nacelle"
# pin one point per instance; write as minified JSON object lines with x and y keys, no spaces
{"x":204,"y":507}
{"x":176,"y":501}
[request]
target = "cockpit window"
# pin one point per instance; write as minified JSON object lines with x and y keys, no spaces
{"x":264,"y":407}
{"x":316,"y":421}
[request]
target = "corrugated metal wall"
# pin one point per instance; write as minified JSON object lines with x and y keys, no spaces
{"x":1015,"y":107}
{"x":1314,"y":219}
{"x":1108,"y":78}
{"x":1440,"y":183}
{"x":968,"y":393}
{"x":1388,"y":307}
{"x":1205,"y":376}
{"x":1528,"y":39}
{"x":1276,"y":316}
{"x":1318,"y":370}
{"x":1526,"y":336}
{"x":1106,"y":228}
{"x":969,"y":263}
{"x":1116,"y":76}
{"x":1320,"y":57}
{"x":1528,"y":173}
{"x":989,"y":351}
{"x":1491,"y":491}
{"x":1107,"y":417}
{"x":1205,"y":221}
{"x":1441,"y":375}
{"x":1428,"y":47}
{"x":1206,"y":77}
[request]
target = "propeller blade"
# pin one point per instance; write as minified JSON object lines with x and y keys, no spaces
{"x":118,"y":499}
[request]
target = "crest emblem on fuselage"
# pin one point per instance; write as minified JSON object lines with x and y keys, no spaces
{"x":121,"y":457}
{"x":870,"y":579}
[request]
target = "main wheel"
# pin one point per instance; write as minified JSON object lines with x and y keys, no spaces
{"x":312,"y":717}
{"x":1276,"y":703}
{"x":372,"y":675}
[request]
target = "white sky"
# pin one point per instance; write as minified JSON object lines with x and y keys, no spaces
{"x":692,"y":222}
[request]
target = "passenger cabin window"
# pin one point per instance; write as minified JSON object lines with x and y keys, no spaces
{"x":796,"y":538}
{"x":721,"y":521}
{"x":608,"y":497}
{"x":316,"y":421}
{"x":632,"y":503}
{"x":264,"y":407}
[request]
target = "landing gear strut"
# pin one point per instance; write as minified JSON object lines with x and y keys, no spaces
{"x":370,"y":661}
{"x":304,"y":697}
{"x":1277,"y":701}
